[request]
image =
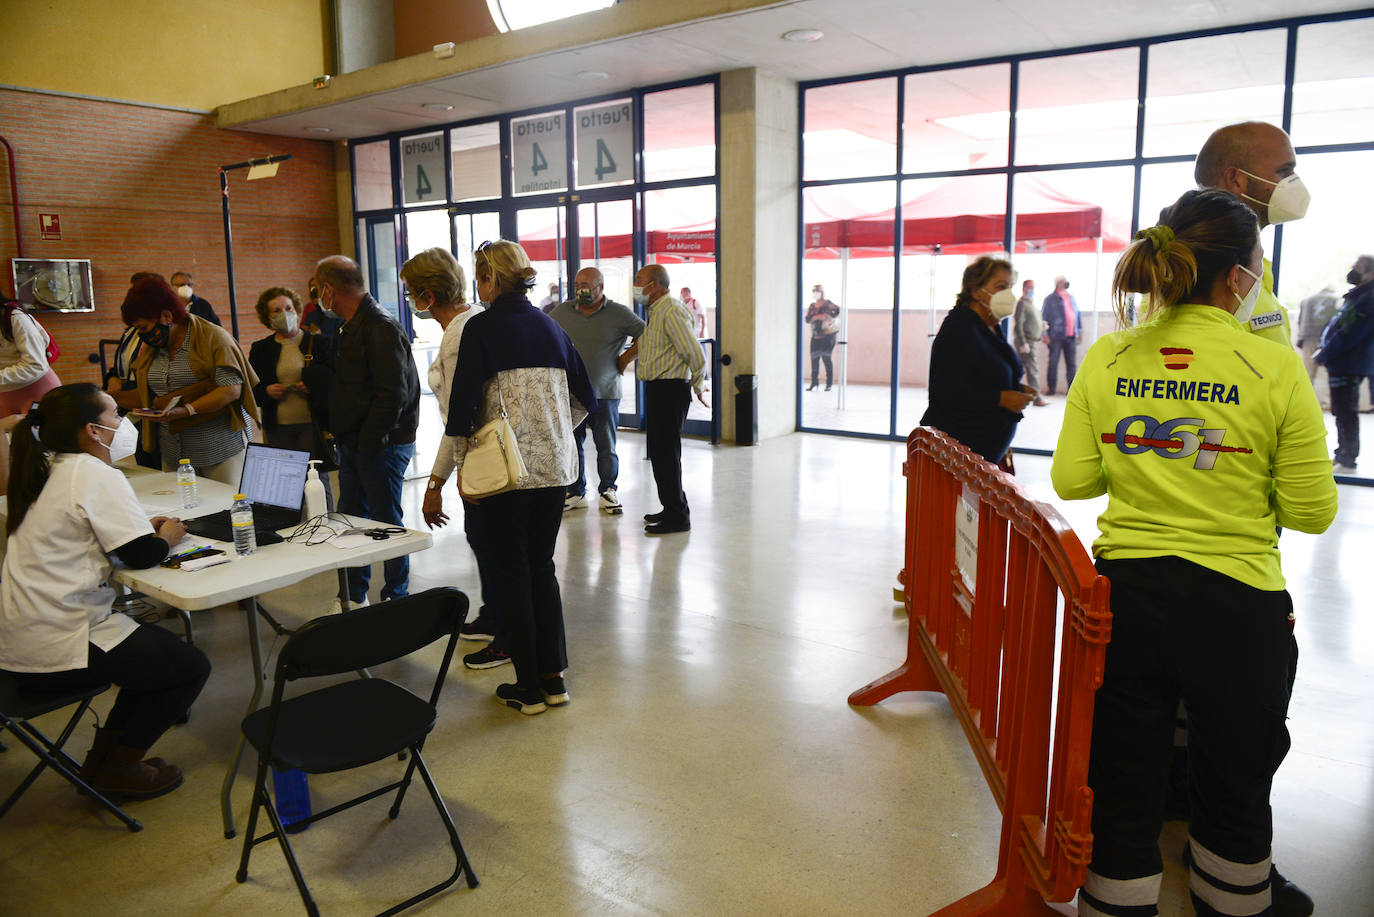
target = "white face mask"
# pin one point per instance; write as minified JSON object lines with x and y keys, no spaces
{"x":125,"y":439}
{"x":1289,"y":200}
{"x":641,"y":298}
{"x":184,"y":291}
{"x":1002,"y":304}
{"x":817,"y":296}
{"x":285,"y":323}
{"x":1247,"y":303}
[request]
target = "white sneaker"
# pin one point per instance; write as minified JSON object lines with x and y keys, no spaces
{"x":336,"y":607}
{"x":574,"y":501}
{"x":610,"y":502}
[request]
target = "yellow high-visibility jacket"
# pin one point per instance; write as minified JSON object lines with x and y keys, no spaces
{"x":1205,"y":437}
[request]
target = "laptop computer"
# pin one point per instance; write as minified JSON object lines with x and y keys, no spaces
{"x":273,"y":480}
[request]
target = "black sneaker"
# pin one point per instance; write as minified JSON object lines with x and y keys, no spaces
{"x":555,"y":691}
{"x":486,"y":658}
{"x":527,"y":702}
{"x":479,"y":628}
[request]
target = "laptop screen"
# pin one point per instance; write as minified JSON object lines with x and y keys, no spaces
{"x":274,"y":476}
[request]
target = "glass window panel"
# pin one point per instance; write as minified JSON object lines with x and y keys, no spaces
{"x":851,"y":129}
{"x":604,"y":144}
{"x":426,"y":229}
{"x":957,"y":119}
{"x":469,"y":231}
{"x":422,"y":168}
{"x":1320,"y":249}
{"x":372,"y":175}
{"x":1072,"y":224}
{"x":680,"y":133}
{"x":946,"y":222}
{"x":1241,"y":76}
{"x":377,"y":259}
{"x":543,"y":233}
{"x":680,"y":234}
{"x":849,"y":254}
{"x":1333,"y":87}
{"x":539,"y":153}
{"x":606,"y":243}
{"x":1078,"y":108}
{"x":476,"y":161}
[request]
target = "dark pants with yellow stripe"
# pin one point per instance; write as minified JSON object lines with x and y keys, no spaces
{"x":1183,"y":632}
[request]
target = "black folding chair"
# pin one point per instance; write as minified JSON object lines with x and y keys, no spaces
{"x":19,"y":707}
{"x":357,"y":722}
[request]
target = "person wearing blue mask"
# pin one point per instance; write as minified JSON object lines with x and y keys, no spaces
{"x":71,"y":517}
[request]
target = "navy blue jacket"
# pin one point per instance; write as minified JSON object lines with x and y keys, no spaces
{"x":511,"y":334}
{"x":970,"y":366}
{"x":1348,"y":341}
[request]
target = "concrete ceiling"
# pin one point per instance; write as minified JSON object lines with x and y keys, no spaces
{"x":646,"y":42}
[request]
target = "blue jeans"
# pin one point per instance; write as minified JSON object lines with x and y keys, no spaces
{"x":603,"y":422}
{"x":370,"y":487}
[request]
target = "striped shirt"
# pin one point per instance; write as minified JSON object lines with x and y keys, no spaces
{"x":205,"y":444}
{"x":668,"y":349}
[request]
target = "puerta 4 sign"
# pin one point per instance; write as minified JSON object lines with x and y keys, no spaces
{"x":539,"y":151}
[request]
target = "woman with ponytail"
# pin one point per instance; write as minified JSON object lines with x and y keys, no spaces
{"x":71,"y":516}
{"x":1205,"y":438}
{"x":976,"y":395}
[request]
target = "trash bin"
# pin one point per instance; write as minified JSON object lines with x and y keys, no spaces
{"x":746,"y":409}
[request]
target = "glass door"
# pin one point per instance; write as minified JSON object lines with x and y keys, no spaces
{"x":378,"y":246}
{"x":605,"y":232}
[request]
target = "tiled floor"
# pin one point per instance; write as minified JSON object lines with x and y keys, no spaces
{"x":708,"y":763}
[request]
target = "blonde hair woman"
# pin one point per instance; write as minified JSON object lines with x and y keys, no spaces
{"x":1205,"y":438}
{"x":515,"y":359}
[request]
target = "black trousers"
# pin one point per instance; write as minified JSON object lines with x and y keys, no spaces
{"x":1069,"y":348}
{"x":665,"y":411}
{"x":821,"y":348}
{"x":490,"y":609}
{"x":1183,"y":632}
{"x":158,"y":677}
{"x":522,"y":528}
{"x":1345,"y":408}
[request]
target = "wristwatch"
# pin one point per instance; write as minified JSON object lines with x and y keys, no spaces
{"x":434,"y":485}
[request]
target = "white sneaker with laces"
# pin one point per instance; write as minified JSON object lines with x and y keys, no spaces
{"x":574,"y":501}
{"x":610,"y":502}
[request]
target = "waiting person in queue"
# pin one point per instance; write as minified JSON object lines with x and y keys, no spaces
{"x":515,"y":360}
{"x":295,"y":375}
{"x":71,"y":516}
{"x":1205,"y":438}
{"x":188,"y":358}
{"x":437,"y":289}
{"x":373,"y":412}
{"x":25,"y":374}
{"x":976,"y":395}
{"x":823,"y":317}
{"x":673,"y":368}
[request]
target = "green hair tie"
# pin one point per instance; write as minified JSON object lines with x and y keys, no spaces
{"x":1159,"y":236}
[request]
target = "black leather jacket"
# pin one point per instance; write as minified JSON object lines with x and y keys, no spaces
{"x":376,"y":398}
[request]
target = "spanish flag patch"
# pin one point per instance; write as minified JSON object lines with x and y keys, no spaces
{"x":1176,"y":357}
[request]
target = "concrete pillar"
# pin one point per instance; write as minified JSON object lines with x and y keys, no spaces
{"x":759,"y":301}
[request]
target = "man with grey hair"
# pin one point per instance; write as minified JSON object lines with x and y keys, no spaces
{"x":184,"y":286}
{"x":373,"y":411}
{"x":672,"y":366}
{"x":599,"y":328}
{"x":1063,"y":327}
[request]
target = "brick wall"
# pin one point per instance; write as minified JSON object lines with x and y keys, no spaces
{"x":137,"y":188}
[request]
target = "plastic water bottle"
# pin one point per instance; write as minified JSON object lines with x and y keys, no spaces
{"x":241,"y":521}
{"x":186,"y":483}
{"x":292,"y":789}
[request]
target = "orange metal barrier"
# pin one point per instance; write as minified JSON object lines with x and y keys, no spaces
{"x":989,"y":646}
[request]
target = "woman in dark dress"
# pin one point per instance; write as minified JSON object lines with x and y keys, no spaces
{"x":976,"y":395}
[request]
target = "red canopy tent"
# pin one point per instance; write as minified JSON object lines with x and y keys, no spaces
{"x":967,"y":217}
{"x":962,"y":217}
